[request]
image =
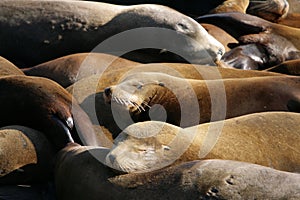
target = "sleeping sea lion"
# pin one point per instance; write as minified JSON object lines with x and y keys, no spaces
{"x":206,"y":179}
{"x":270,"y":139}
{"x":38,"y":31}
{"x":188,"y":102}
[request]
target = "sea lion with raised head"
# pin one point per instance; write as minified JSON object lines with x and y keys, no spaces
{"x":26,"y":156}
{"x":151,"y":145}
{"x":51,"y":29}
{"x":188,"y":102}
{"x":206,"y":179}
{"x":42,"y":104}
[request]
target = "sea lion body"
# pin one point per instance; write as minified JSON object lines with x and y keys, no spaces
{"x":192,"y":180}
{"x":67,"y":70}
{"x":7,"y":68}
{"x":151,"y":145}
{"x":42,"y":104}
{"x":51,"y":29}
{"x":26,"y":156}
{"x":291,"y":67}
{"x":211,"y":100}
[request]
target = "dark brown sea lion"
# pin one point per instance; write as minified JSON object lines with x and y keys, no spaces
{"x":247,"y":28}
{"x":42,"y":104}
{"x":51,"y":29}
{"x":272,"y":10}
{"x":269,"y":43}
{"x":89,"y":91}
{"x":291,"y":67}
{"x":207,"y":179}
{"x":65,"y":70}
{"x":151,"y":145}
{"x":26,"y":156}
{"x":188,"y":102}
{"x":8,"y":68}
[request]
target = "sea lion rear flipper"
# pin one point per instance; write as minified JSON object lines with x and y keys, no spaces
{"x":235,"y":23}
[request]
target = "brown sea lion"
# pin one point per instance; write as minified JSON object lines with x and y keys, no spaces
{"x":7,"y":68}
{"x":26,"y":156}
{"x":188,"y":102}
{"x":292,"y":19}
{"x":222,"y":36}
{"x":251,"y":29}
{"x":151,"y":145}
{"x":272,"y":10}
{"x":42,"y":104}
{"x":65,"y":70}
{"x":51,"y":29}
{"x":89,"y":91}
{"x":207,"y":179}
{"x":291,"y":67}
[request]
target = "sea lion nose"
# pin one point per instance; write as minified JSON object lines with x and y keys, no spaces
{"x":107,"y":91}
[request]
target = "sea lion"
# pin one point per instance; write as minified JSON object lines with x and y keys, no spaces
{"x":7,"y":68}
{"x":188,"y":102}
{"x":26,"y":156}
{"x":65,"y":70}
{"x":89,"y":91}
{"x":222,"y":36}
{"x":206,"y":179}
{"x":291,"y":67}
{"x":66,"y":27}
{"x":271,"y":10}
{"x":42,"y":104}
{"x":251,"y":29}
{"x":151,"y":145}
{"x":292,"y":19}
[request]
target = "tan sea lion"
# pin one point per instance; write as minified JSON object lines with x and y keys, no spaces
{"x":51,"y":29}
{"x":188,"y":102}
{"x":26,"y":156}
{"x":42,"y":104}
{"x":89,"y":91}
{"x":65,"y":70}
{"x":7,"y":68}
{"x":207,"y":179}
{"x":270,"y":139}
{"x":291,"y":67}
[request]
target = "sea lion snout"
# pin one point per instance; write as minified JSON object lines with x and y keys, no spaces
{"x":107,"y":95}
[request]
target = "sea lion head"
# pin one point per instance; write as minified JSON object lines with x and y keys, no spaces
{"x":176,"y":32}
{"x":142,"y":92}
{"x":271,"y":10}
{"x":146,"y":146}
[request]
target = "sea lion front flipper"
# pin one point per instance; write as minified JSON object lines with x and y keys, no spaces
{"x":235,"y":23}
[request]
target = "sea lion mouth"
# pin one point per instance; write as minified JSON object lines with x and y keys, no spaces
{"x":131,"y":102}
